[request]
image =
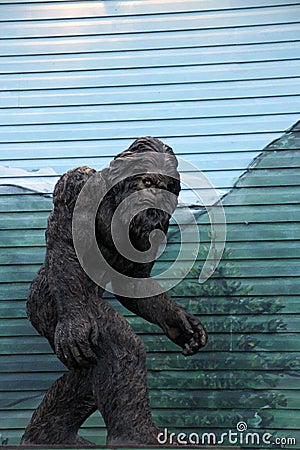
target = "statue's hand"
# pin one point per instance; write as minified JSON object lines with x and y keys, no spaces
{"x":185,"y":330}
{"x":75,"y":336}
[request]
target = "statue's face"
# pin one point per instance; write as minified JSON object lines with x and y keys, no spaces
{"x":147,"y":191}
{"x":144,"y":204}
{"x":145,"y":185}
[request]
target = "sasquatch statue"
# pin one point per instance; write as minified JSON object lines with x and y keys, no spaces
{"x":106,"y":361}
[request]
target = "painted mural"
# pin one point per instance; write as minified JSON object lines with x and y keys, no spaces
{"x":219,"y":82}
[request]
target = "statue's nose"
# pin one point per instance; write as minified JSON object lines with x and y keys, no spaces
{"x":148,"y":196}
{"x":151,"y":191}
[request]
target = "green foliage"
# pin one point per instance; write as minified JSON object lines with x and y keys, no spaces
{"x":248,"y":315}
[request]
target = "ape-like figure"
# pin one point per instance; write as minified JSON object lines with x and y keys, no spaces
{"x":105,"y":358}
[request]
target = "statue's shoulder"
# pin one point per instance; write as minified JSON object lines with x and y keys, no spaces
{"x":71,"y":183}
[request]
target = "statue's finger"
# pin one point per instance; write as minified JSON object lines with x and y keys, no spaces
{"x":185,"y":326}
{"x":190,"y":348}
{"x":86,"y":353}
{"x":79,"y":357}
{"x":65,"y":355}
{"x":200,"y":331}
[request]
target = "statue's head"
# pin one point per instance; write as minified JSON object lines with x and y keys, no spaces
{"x":146,"y":185}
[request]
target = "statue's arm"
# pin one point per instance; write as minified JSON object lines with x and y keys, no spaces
{"x":181,"y":327}
{"x":76,"y":329}
{"x":73,"y":292}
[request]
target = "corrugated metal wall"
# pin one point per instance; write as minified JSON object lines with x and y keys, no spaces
{"x":79,"y":81}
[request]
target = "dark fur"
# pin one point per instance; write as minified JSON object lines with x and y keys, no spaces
{"x":105,"y":358}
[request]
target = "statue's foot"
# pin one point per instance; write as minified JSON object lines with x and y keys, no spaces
{"x":77,"y":441}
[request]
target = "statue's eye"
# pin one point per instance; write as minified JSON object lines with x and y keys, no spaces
{"x":147,"y":183}
{"x":162,"y":186}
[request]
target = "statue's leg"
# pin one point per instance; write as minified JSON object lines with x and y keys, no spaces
{"x":66,"y":405}
{"x":117,"y":384}
{"x":120,"y":381}
{"x":69,"y":401}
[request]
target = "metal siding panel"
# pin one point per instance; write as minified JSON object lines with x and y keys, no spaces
{"x":163,"y":6}
{"x":151,"y":111}
{"x":116,"y":24}
{"x":182,"y":145}
{"x":50,"y":33}
{"x":152,"y":76}
{"x":230,"y":91}
{"x":164,"y":58}
{"x":164,"y":128}
{"x":115,"y":7}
